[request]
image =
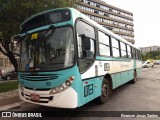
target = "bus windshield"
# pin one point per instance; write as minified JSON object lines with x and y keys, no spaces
{"x":51,"y":49}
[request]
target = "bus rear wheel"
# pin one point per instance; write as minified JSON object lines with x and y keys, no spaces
{"x":105,"y":92}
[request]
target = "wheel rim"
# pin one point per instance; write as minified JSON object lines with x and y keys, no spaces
{"x":104,"y":90}
{"x":8,"y":77}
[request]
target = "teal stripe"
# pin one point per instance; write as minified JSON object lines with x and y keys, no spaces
{"x":100,"y":58}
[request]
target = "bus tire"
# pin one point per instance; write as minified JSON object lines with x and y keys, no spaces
{"x":135,"y":78}
{"x":105,"y":92}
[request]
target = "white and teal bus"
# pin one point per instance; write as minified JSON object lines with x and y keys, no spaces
{"x":67,"y":60}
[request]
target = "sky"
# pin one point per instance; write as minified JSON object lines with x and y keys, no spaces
{"x":146,"y":19}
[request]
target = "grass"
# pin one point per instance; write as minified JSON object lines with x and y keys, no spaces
{"x":8,"y":86}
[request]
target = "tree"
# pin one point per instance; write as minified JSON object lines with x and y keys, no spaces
{"x":14,"y":12}
{"x":151,"y":55}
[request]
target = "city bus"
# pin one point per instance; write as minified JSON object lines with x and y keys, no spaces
{"x":68,"y":60}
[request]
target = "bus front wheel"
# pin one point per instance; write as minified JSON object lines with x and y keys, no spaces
{"x":105,"y":92}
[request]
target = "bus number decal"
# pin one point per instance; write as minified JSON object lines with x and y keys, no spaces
{"x":88,"y":90}
{"x":106,"y":67}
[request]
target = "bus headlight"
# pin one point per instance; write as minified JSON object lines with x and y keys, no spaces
{"x":54,"y":91}
{"x":63,"y":86}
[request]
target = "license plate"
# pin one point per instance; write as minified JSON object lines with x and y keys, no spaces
{"x":35,"y":97}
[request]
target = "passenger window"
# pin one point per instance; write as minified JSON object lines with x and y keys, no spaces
{"x":104,"y":44}
{"x":104,"y":50}
{"x":116,"y":52}
{"x":103,"y":38}
{"x":123,"y":50}
{"x":115,"y":48}
{"x":129,"y":51}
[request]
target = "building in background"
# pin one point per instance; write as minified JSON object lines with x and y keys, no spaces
{"x":149,"y":49}
{"x":115,"y":19}
{"x":4,"y":61}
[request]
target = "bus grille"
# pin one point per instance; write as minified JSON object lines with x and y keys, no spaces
{"x":47,"y":89}
{"x":38,"y":77}
{"x":42,"y":99}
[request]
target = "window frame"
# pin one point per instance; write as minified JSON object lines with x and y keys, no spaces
{"x":94,"y":39}
{"x":123,"y":49}
{"x":130,"y":51}
{"x":113,"y":47}
{"x":106,"y":45}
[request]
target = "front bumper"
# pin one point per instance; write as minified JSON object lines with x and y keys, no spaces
{"x":65,"y":99}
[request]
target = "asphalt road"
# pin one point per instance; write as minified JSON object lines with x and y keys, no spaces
{"x":142,"y":96}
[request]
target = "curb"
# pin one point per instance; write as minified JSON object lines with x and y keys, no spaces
{"x":9,"y":94}
{"x":7,"y":107}
{"x":5,"y":81}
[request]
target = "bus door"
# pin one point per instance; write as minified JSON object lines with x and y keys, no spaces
{"x":86,"y":42}
{"x":86,"y":51}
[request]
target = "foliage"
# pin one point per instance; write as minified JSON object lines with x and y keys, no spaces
{"x":8,"y":86}
{"x":14,"y":12}
{"x":151,"y":55}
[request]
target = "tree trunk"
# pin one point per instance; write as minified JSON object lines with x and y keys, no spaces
{"x":13,"y":60}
